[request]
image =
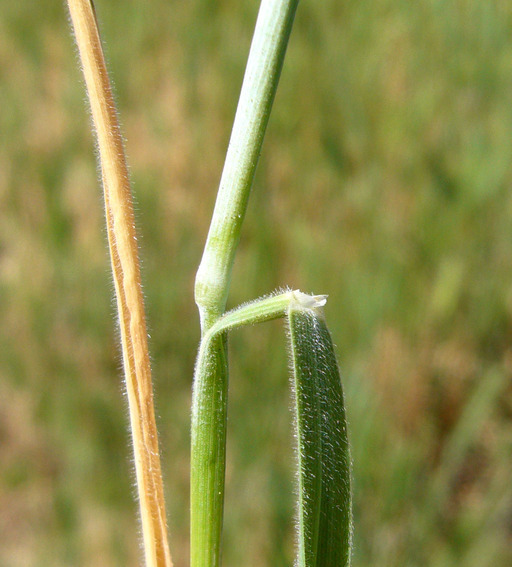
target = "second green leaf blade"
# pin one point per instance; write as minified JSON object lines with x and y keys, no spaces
{"x":324,"y":508}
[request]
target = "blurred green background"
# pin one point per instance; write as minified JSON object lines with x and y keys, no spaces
{"x":385,"y":182}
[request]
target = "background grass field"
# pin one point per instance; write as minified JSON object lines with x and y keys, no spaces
{"x":385,"y":182}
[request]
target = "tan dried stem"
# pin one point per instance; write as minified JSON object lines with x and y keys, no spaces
{"x":125,"y":266}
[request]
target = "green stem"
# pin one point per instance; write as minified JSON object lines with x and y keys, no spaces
{"x":213,"y":276}
{"x":264,"y":65}
{"x":208,"y":455}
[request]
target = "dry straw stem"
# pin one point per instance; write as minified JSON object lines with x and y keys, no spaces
{"x":125,"y":266}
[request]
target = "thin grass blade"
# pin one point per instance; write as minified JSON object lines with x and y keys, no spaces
{"x":126,"y":274}
{"x":325,"y":501}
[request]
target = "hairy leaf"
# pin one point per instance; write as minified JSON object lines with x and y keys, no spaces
{"x":324,"y":507}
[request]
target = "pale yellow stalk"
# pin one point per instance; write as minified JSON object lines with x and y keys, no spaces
{"x":125,"y":266}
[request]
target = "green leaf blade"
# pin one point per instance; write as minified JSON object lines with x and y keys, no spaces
{"x":325,"y":501}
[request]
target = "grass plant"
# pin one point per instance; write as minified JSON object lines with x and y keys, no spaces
{"x":384,"y":181}
{"x":324,"y":488}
